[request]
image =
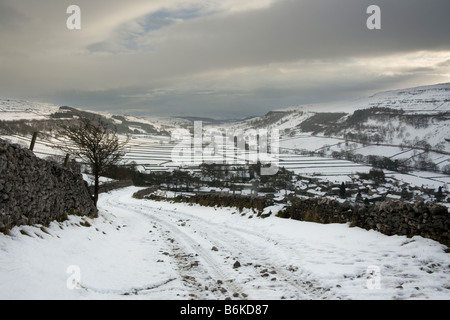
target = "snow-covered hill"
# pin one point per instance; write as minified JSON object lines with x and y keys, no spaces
{"x":407,"y":119}
{"x":23,"y":110}
{"x":432,"y":100}
{"x":11,"y":109}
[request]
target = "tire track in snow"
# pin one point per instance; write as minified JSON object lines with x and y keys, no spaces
{"x":260,"y":270}
{"x":262,"y":263}
{"x":129,"y":291}
{"x":284,"y":274}
{"x":216,"y":275}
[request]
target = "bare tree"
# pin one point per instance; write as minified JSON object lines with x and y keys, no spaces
{"x":95,"y":142}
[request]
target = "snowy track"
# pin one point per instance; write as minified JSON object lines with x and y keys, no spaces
{"x":261,"y":274}
{"x":285,"y":259}
{"x":140,"y":249}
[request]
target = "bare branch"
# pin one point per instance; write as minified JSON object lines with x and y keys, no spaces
{"x":94,"y":142}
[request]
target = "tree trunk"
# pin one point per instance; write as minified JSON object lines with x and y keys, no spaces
{"x":96,"y":189}
{"x":96,"y":173}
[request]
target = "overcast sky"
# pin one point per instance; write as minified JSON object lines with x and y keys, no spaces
{"x":218,"y":58}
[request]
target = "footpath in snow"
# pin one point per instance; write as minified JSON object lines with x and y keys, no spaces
{"x":141,"y":249}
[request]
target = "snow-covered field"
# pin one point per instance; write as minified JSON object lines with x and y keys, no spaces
{"x":318,"y":166}
{"x":155,"y":155}
{"x":140,"y":249}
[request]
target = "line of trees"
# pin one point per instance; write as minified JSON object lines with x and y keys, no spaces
{"x":420,"y":161}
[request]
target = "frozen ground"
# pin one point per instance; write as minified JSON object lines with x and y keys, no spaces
{"x":140,"y":249}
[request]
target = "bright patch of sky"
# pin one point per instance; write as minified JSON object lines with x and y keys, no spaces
{"x":130,"y":36}
{"x":133,"y":33}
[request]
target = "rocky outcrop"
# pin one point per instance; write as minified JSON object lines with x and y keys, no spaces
{"x":429,"y":220}
{"x":36,"y":191}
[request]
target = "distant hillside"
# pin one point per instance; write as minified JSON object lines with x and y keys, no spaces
{"x":213,"y":122}
{"x":401,"y":117}
{"x":398,"y":129}
{"x":11,"y":109}
{"x":24,"y":117}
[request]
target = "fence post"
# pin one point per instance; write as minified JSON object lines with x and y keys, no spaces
{"x":33,"y":141}
{"x":66,"y":160}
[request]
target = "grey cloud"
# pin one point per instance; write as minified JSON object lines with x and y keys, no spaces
{"x":228,"y":103}
{"x":10,"y":18}
{"x":444,"y":64}
{"x":294,"y":30}
{"x":193,"y":66}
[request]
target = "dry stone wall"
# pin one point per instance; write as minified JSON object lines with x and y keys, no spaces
{"x":429,"y":220}
{"x":36,"y":191}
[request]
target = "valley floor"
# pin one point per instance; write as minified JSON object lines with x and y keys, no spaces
{"x":141,"y":249}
